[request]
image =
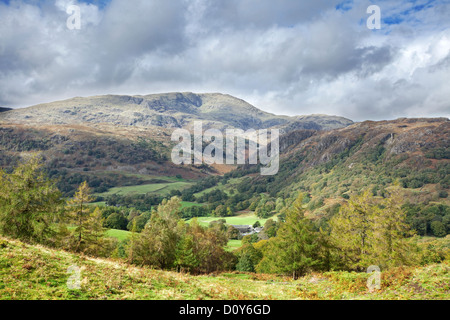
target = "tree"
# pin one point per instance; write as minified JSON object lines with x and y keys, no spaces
{"x":203,"y":248}
{"x":221,"y":211}
{"x":141,"y":220}
{"x":248,"y":258}
{"x":295,"y":249}
{"x":88,"y":235}
{"x":270,"y":228}
{"x":30,"y":203}
{"x":116,"y":220}
{"x":186,"y":258}
{"x":371,"y":231}
{"x":157,"y":243}
{"x":130,"y":246}
{"x":351,"y":231}
{"x":438,"y":229}
{"x":391,"y":231}
{"x":232,"y":232}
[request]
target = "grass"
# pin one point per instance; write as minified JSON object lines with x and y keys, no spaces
{"x":114,"y":233}
{"x":97,"y":204}
{"x":157,"y":188}
{"x":118,"y":234}
{"x":244,"y":219}
{"x":223,"y":187}
{"x":187,"y":204}
{"x":234,"y":244}
{"x":31,"y":272}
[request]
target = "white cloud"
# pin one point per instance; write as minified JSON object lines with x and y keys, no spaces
{"x":291,"y":57}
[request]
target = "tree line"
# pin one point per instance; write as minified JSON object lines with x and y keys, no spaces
{"x":33,"y":210}
{"x":366,"y":231}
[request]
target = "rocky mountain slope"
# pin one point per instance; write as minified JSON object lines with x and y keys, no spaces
{"x":169,"y":110}
{"x":94,"y":138}
{"x":330,"y":166}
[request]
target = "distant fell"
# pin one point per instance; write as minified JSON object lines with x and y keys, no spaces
{"x":167,"y":110}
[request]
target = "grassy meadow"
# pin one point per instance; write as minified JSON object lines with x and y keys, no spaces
{"x":35,"y":272}
{"x":245,"y":218}
{"x":162,"y":188}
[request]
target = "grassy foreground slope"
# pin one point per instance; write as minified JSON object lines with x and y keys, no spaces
{"x":36,"y":272}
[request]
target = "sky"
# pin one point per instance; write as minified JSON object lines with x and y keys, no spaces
{"x":291,"y":57}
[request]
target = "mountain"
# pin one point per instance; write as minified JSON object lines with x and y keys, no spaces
{"x":329,"y":166}
{"x":5,"y":109}
{"x":106,"y":139}
{"x":116,"y":140}
{"x":168,"y":110}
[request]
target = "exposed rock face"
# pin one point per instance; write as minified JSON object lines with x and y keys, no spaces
{"x":413,"y":137}
{"x":294,"y":139}
{"x":170,"y":110}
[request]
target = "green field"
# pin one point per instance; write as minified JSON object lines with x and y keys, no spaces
{"x":156,"y":188}
{"x":243,"y":219}
{"x":234,"y":244}
{"x":187,"y":204}
{"x":225,"y":188}
{"x":118,"y":234}
{"x":114,"y":233}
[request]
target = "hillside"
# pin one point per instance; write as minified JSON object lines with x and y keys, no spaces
{"x":331,"y":164}
{"x":329,"y":167}
{"x":34,"y":272}
{"x":103,"y":140}
{"x":113,"y":141}
{"x":169,"y":110}
{"x":104,"y":158}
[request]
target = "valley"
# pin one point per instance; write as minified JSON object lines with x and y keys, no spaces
{"x":108,"y":158}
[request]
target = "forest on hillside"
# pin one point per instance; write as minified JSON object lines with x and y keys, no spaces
{"x":367,"y":230}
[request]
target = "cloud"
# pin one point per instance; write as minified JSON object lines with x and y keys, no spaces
{"x":290,"y":57}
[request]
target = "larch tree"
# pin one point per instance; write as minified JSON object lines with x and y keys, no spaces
{"x":371,"y":231}
{"x":352,"y":231}
{"x":391,"y":247}
{"x":88,"y":236}
{"x":30,"y":204}
{"x":295,"y":249}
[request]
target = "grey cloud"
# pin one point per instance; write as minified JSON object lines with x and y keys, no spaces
{"x":263,"y":13}
{"x":285,"y":56}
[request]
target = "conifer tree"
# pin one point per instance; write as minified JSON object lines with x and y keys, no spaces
{"x":371,"y":231}
{"x":391,"y":247}
{"x":30,"y":203}
{"x":132,"y":242}
{"x":352,"y":231}
{"x":88,"y":235}
{"x":294,"y":250}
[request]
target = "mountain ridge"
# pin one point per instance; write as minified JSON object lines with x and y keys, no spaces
{"x":167,"y":110}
